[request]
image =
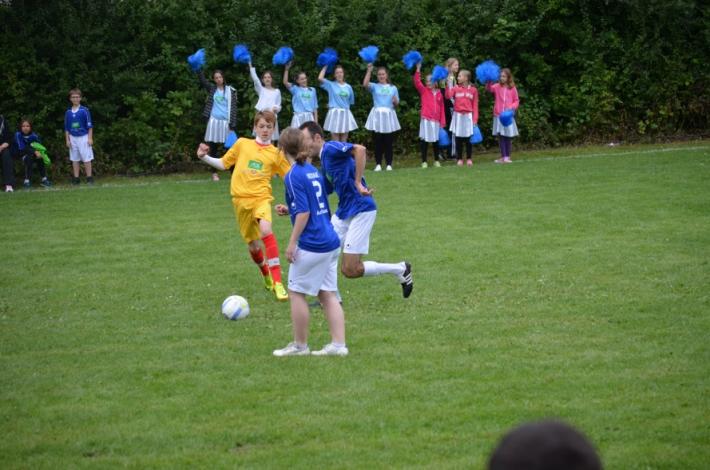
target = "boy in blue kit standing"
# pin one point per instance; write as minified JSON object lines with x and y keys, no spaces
{"x":343,"y":165}
{"x":313,"y":250}
{"x":79,"y":134}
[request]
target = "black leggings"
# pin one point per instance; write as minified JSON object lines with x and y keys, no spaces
{"x":30,"y":161}
{"x":506,"y":145}
{"x":383,"y":145}
{"x":424,"y":147}
{"x":8,"y":168}
{"x":459,"y":147}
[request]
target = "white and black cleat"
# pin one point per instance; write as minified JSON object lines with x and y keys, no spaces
{"x":407,"y":282}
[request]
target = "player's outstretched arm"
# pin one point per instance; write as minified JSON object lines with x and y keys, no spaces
{"x":202,"y":151}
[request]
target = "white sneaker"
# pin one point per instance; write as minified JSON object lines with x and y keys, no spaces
{"x":292,"y":349}
{"x":437,"y":164}
{"x":8,"y":188}
{"x":424,"y":165}
{"x":331,"y":350}
{"x":378,"y":168}
{"x":389,"y":167}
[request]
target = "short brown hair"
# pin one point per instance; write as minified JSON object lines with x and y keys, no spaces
{"x":74,"y":91}
{"x":291,"y":143}
{"x":267,"y":116}
{"x":313,"y":128}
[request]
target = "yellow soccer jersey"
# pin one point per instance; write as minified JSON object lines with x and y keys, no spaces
{"x":254,"y":165}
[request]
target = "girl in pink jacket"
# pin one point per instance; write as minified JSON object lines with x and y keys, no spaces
{"x":432,"y":116}
{"x":506,"y":98}
{"x":465,"y":116}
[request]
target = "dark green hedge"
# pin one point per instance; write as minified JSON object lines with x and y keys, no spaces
{"x":585,"y":70}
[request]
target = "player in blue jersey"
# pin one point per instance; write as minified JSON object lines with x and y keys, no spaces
{"x":343,"y":165}
{"x":79,"y":136}
{"x":313,"y":250}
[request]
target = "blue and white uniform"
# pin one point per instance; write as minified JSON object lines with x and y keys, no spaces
{"x":305,"y":102}
{"x":355,"y":216}
{"x":340,"y":97}
{"x":383,"y":118}
{"x":315,"y":267}
{"x":77,"y":123}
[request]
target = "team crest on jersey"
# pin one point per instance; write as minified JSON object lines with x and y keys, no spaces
{"x":255,"y":165}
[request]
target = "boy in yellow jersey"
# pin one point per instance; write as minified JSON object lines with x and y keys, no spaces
{"x":255,"y":162}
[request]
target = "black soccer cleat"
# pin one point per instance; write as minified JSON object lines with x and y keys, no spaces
{"x":408,"y":283}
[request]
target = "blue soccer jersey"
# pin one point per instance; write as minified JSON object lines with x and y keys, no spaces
{"x":304,"y":100}
{"x":382,"y":95}
{"x":339,"y":96}
{"x":78,"y":123}
{"x":305,"y":192}
{"x":339,"y":168}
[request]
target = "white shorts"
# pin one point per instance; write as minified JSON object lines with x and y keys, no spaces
{"x":79,"y":149}
{"x":313,"y":272}
{"x":354,"y":233}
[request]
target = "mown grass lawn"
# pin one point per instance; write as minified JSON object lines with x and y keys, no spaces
{"x":571,"y":284}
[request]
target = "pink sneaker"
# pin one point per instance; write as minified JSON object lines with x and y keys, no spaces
{"x":499,"y":160}
{"x":459,"y":162}
{"x":507,"y":160}
{"x":215,"y":177}
{"x":469,"y":162}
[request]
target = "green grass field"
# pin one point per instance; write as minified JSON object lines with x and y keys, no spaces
{"x":571,"y":284}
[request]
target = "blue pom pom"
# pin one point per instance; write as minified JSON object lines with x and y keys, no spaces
{"x":328,"y":57}
{"x":444,"y":139}
{"x":506,"y":117}
{"x":369,"y":54}
{"x":439,"y":73}
{"x":230,"y":140}
{"x":283,"y":56}
{"x":411,"y":59}
{"x":197,"y":60}
{"x":241,"y":54}
{"x":476,"y":137}
{"x":488,"y":71}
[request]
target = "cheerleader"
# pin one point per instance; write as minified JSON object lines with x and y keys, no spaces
{"x":269,"y":97}
{"x":432,"y":116}
{"x":465,"y":114}
{"x":506,"y":97}
{"x":340,"y":120}
{"x":220,"y":111}
{"x":382,"y":119}
{"x":303,"y":98}
{"x":452,"y":65}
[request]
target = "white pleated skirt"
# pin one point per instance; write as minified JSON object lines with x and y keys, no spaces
{"x":462,"y":124}
{"x":300,"y":118}
{"x":382,"y":120}
{"x":217,"y":130}
{"x":339,"y":120}
{"x":506,"y":131}
{"x":429,"y":130}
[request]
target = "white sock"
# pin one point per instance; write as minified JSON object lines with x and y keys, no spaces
{"x":373,"y":268}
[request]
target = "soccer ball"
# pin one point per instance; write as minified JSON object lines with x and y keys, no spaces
{"x":235,"y":307}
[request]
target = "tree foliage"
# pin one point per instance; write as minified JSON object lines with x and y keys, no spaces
{"x":585,"y":70}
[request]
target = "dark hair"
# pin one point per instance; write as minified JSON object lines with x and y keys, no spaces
{"x":545,"y":445}
{"x":382,"y":67}
{"x":313,"y":128}
{"x":25,"y":120}
{"x":75,"y":91}
{"x":219,"y":72}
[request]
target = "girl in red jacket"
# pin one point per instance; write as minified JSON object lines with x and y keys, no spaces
{"x":432,"y":116}
{"x":506,"y":97}
{"x":465,"y":115}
